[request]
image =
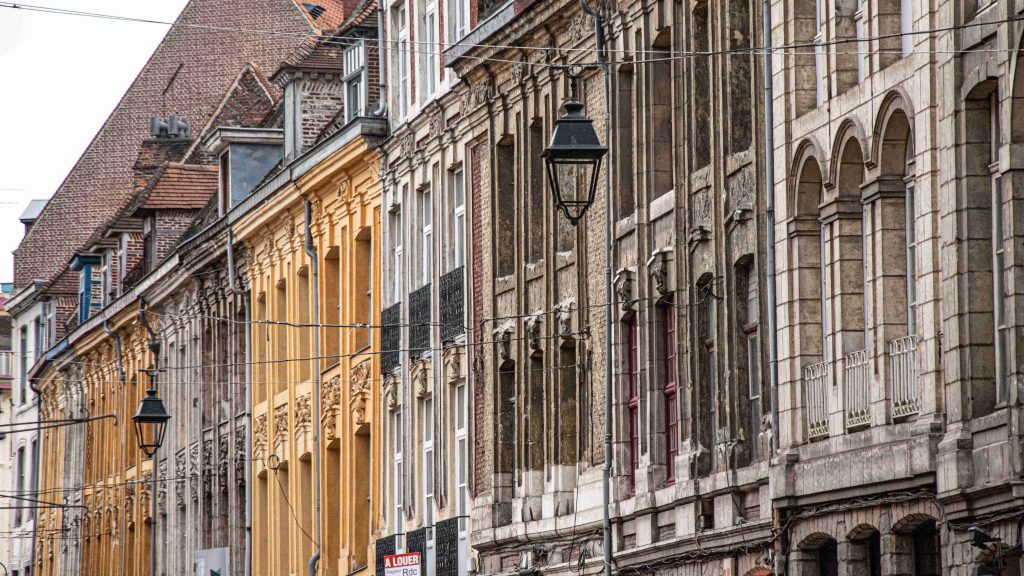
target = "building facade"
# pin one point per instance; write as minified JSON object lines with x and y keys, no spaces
{"x":424,"y":328}
{"x":898,"y":188}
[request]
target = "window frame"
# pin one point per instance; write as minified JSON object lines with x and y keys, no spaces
{"x":354,"y":73}
{"x":633,"y":382}
{"x":670,"y":390}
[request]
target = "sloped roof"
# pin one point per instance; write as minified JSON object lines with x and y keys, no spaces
{"x":181,"y":187}
{"x":187,"y":74}
{"x":323,"y":14}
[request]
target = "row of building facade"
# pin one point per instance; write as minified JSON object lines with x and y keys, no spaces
{"x":378,"y":335}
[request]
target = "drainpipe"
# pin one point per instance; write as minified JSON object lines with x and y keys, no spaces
{"x":124,"y":410}
{"x":382,"y":85}
{"x":606,"y":475}
{"x":154,"y":348}
{"x":769,"y":189}
{"x":230,"y":249}
{"x":315,"y":270}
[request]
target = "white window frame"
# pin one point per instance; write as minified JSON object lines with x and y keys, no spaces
{"x":907,"y":26}
{"x":860,"y":25}
{"x":457,"y":185}
{"x":396,"y":254}
{"x":456,"y":16}
{"x":428,"y":432}
{"x":397,"y":472}
{"x":430,"y":47}
{"x":819,"y":52}
{"x":402,"y":24}
{"x":461,"y":404}
{"x":355,"y":74}
{"x":426,"y":215}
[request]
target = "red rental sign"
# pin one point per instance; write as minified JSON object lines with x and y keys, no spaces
{"x":407,"y":564}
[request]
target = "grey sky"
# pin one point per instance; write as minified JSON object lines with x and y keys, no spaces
{"x":62,"y":75}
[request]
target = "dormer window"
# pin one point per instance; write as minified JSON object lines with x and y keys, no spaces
{"x":354,"y":77}
{"x":246,"y":155}
{"x":90,"y":285}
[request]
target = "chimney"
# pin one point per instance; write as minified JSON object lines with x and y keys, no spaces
{"x":168,"y":142}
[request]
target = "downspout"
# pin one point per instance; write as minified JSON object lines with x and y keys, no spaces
{"x":382,"y":85}
{"x":769,"y":188}
{"x":124,"y":410}
{"x":154,"y":348}
{"x":230,"y":249}
{"x":606,"y":475}
{"x":315,"y":270}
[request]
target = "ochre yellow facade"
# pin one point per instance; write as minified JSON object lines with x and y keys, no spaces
{"x":108,"y":517}
{"x":345,"y":221}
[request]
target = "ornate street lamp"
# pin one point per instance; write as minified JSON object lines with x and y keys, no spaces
{"x":151,"y":423}
{"x":573,"y":159}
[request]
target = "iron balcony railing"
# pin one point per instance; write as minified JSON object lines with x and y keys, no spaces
{"x":903,"y":363}
{"x":453,"y":298}
{"x":390,"y":337}
{"x":385,"y":546}
{"x":816,"y":399}
{"x":419,"y":321}
{"x":857,"y":379}
{"x":446,"y":547}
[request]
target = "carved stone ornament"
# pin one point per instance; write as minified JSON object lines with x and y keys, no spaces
{"x":209,"y":468}
{"x":360,"y":380}
{"x":222,"y":465}
{"x":580,"y":27}
{"x":303,"y":415}
{"x":658,"y":268}
{"x":436,"y":123}
{"x":161,"y":495}
{"x":624,"y":290}
{"x":564,"y":319}
{"x":145,"y":495}
{"x":533,"y":333}
{"x":420,"y":375}
{"x":129,"y":504}
{"x":179,"y":473}
{"x":280,"y":424}
{"x":518,"y":71}
{"x":453,"y":364}
{"x":330,"y":396}
{"x":392,"y":392}
{"x":193,"y":471}
{"x":259,"y":435}
{"x":240,"y":446}
{"x":405,"y":144}
{"x":475,"y":96}
{"x":504,"y":339}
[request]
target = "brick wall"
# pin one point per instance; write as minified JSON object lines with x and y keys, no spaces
{"x":170,"y":225}
{"x":322,"y":99}
{"x":202,"y":62}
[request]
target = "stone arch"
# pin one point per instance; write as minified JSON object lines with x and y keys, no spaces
{"x":759,"y":571}
{"x":817,"y":554}
{"x":849,"y":159}
{"x":864,"y":550}
{"x":893,"y":133}
{"x":911,"y":522}
{"x":807,"y":152}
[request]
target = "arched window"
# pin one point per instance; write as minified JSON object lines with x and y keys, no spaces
{"x":927,"y":550}
{"x":828,"y":558}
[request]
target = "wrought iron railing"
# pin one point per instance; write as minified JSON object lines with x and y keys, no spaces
{"x":446,"y":547}
{"x":390,"y":337}
{"x":903,"y":363}
{"x":416,"y":541}
{"x":857,"y":379}
{"x":385,"y":546}
{"x":419,"y":321}
{"x":453,"y":298}
{"x":816,"y":399}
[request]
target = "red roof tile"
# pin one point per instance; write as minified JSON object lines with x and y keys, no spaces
{"x":331,"y":17}
{"x":181,"y":187}
{"x":199,"y":57}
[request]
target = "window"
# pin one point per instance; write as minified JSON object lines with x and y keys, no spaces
{"x":707,"y":359}
{"x":819,"y":51}
{"x":398,"y":471}
{"x":430,"y":50}
{"x":746,"y":295}
{"x":21,"y":485}
{"x":906,"y":26}
{"x":462,"y":471}
{"x":34,"y":484}
{"x":458,"y":203}
{"x":354,"y":77}
{"x":23,"y":367}
{"x":456,"y":21}
{"x":402,"y":25}
{"x":427,"y":419}
{"x":395,"y":227}
{"x":670,"y":390}
{"x":364,"y":283}
{"x":633,"y":373}
{"x":862,"y":43}
{"x":426,"y":235}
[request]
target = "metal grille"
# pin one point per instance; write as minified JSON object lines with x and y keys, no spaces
{"x":816,"y":399}
{"x":416,"y":541}
{"x":446,"y":535}
{"x":390,"y":338}
{"x":903,"y":360}
{"x":452,"y":305}
{"x":419,"y":321}
{"x":385,"y":547}
{"x":857,"y":378}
